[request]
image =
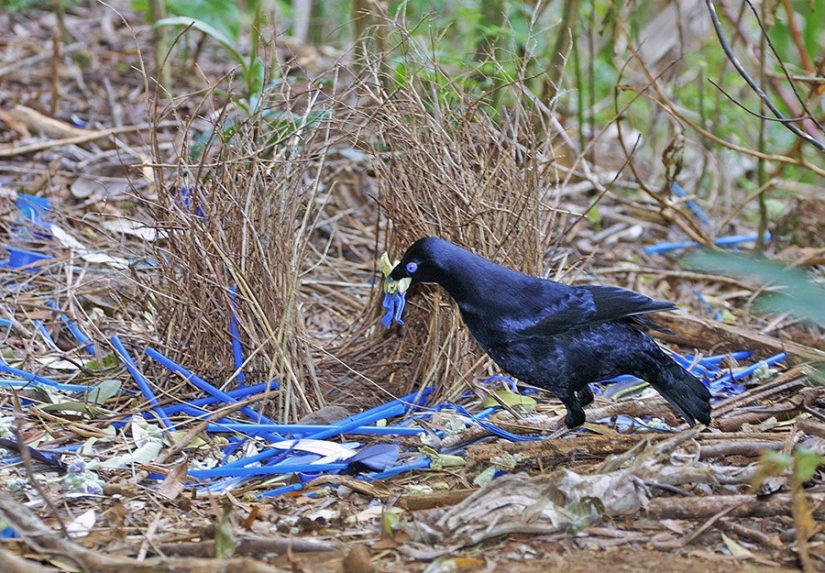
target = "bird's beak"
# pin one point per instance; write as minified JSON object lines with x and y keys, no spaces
{"x":391,"y":285}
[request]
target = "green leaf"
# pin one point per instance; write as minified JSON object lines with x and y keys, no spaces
{"x":78,"y":407}
{"x":224,"y":537}
{"x":512,"y":399}
{"x":223,"y":15}
{"x":805,"y":463}
{"x":254,"y":77}
{"x":207,"y":29}
{"x":103,"y":391}
{"x":108,"y":361}
{"x":770,"y":464}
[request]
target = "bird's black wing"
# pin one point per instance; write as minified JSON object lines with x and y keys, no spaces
{"x":595,"y":304}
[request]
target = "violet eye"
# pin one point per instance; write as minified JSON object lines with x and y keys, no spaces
{"x":411,"y":267}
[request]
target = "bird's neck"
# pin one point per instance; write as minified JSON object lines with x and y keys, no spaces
{"x":472,"y":283}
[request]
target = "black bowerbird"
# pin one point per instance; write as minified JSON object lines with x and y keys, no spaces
{"x":556,"y":336}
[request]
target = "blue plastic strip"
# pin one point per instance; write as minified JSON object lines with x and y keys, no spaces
{"x":237,"y":393}
{"x":420,"y":463}
{"x":142,"y":383}
{"x":274,"y":469}
{"x":220,"y":395}
{"x":237,"y":347}
{"x":391,"y":409}
{"x":492,"y":428}
{"x":85,"y":342}
{"x":728,"y":241}
{"x":719,"y":358}
{"x":309,"y":429}
{"x":725,"y":384}
{"x":204,"y":385}
{"x":282,"y":490}
{"x":79,"y":335}
{"x":36,"y":379}
{"x":41,"y":328}
{"x":679,"y":192}
{"x":748,"y":371}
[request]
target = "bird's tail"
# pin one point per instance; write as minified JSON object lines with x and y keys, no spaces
{"x":683,"y":391}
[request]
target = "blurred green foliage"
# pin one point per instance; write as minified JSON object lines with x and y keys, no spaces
{"x":16,"y":6}
{"x":793,"y":290}
{"x":227,"y":18}
{"x":465,"y":53}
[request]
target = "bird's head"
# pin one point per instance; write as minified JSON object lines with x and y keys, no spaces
{"x":421,"y":262}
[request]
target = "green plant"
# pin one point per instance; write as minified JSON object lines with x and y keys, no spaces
{"x":801,"y":464}
{"x":13,"y":6}
{"x":794,"y":290}
{"x":253,"y":71}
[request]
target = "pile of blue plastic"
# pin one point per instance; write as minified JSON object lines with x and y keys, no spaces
{"x":283,"y":458}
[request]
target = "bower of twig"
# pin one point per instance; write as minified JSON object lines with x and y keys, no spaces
{"x":239,"y":222}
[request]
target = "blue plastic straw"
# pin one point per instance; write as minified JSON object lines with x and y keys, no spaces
{"x":309,"y":429}
{"x":142,"y":383}
{"x":282,"y":490}
{"x":687,"y":364}
{"x":274,"y":469}
{"x":204,"y":385}
{"x":492,"y":428}
{"x":770,"y":361}
{"x":728,"y":241}
{"x":391,"y":409}
{"x":742,"y":373}
{"x":679,"y":192}
{"x":41,"y":328}
{"x":346,"y":425}
{"x":36,"y":379}
{"x":259,"y":457}
{"x":237,"y":393}
{"x":11,"y":383}
{"x":78,"y":334}
{"x":237,"y":347}
{"x":420,"y":463}
{"x":719,"y":358}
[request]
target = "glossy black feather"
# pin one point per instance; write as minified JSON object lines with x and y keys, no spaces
{"x":556,"y":336}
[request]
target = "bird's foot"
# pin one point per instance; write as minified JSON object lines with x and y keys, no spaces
{"x":559,"y":429}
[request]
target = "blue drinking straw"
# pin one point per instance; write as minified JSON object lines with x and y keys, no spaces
{"x":237,"y":393}
{"x":728,"y":241}
{"x":310,"y":429}
{"x":142,"y":383}
{"x":204,"y":385}
{"x":237,"y":347}
{"x":41,"y":328}
{"x":282,"y":490}
{"x":280,"y":468}
{"x":78,"y":334}
{"x":37,"y":379}
{"x":679,"y":192}
{"x":418,"y":464}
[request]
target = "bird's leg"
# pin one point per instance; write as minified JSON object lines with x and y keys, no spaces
{"x":559,"y":432}
{"x":585,"y":396}
{"x":575,"y":413}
